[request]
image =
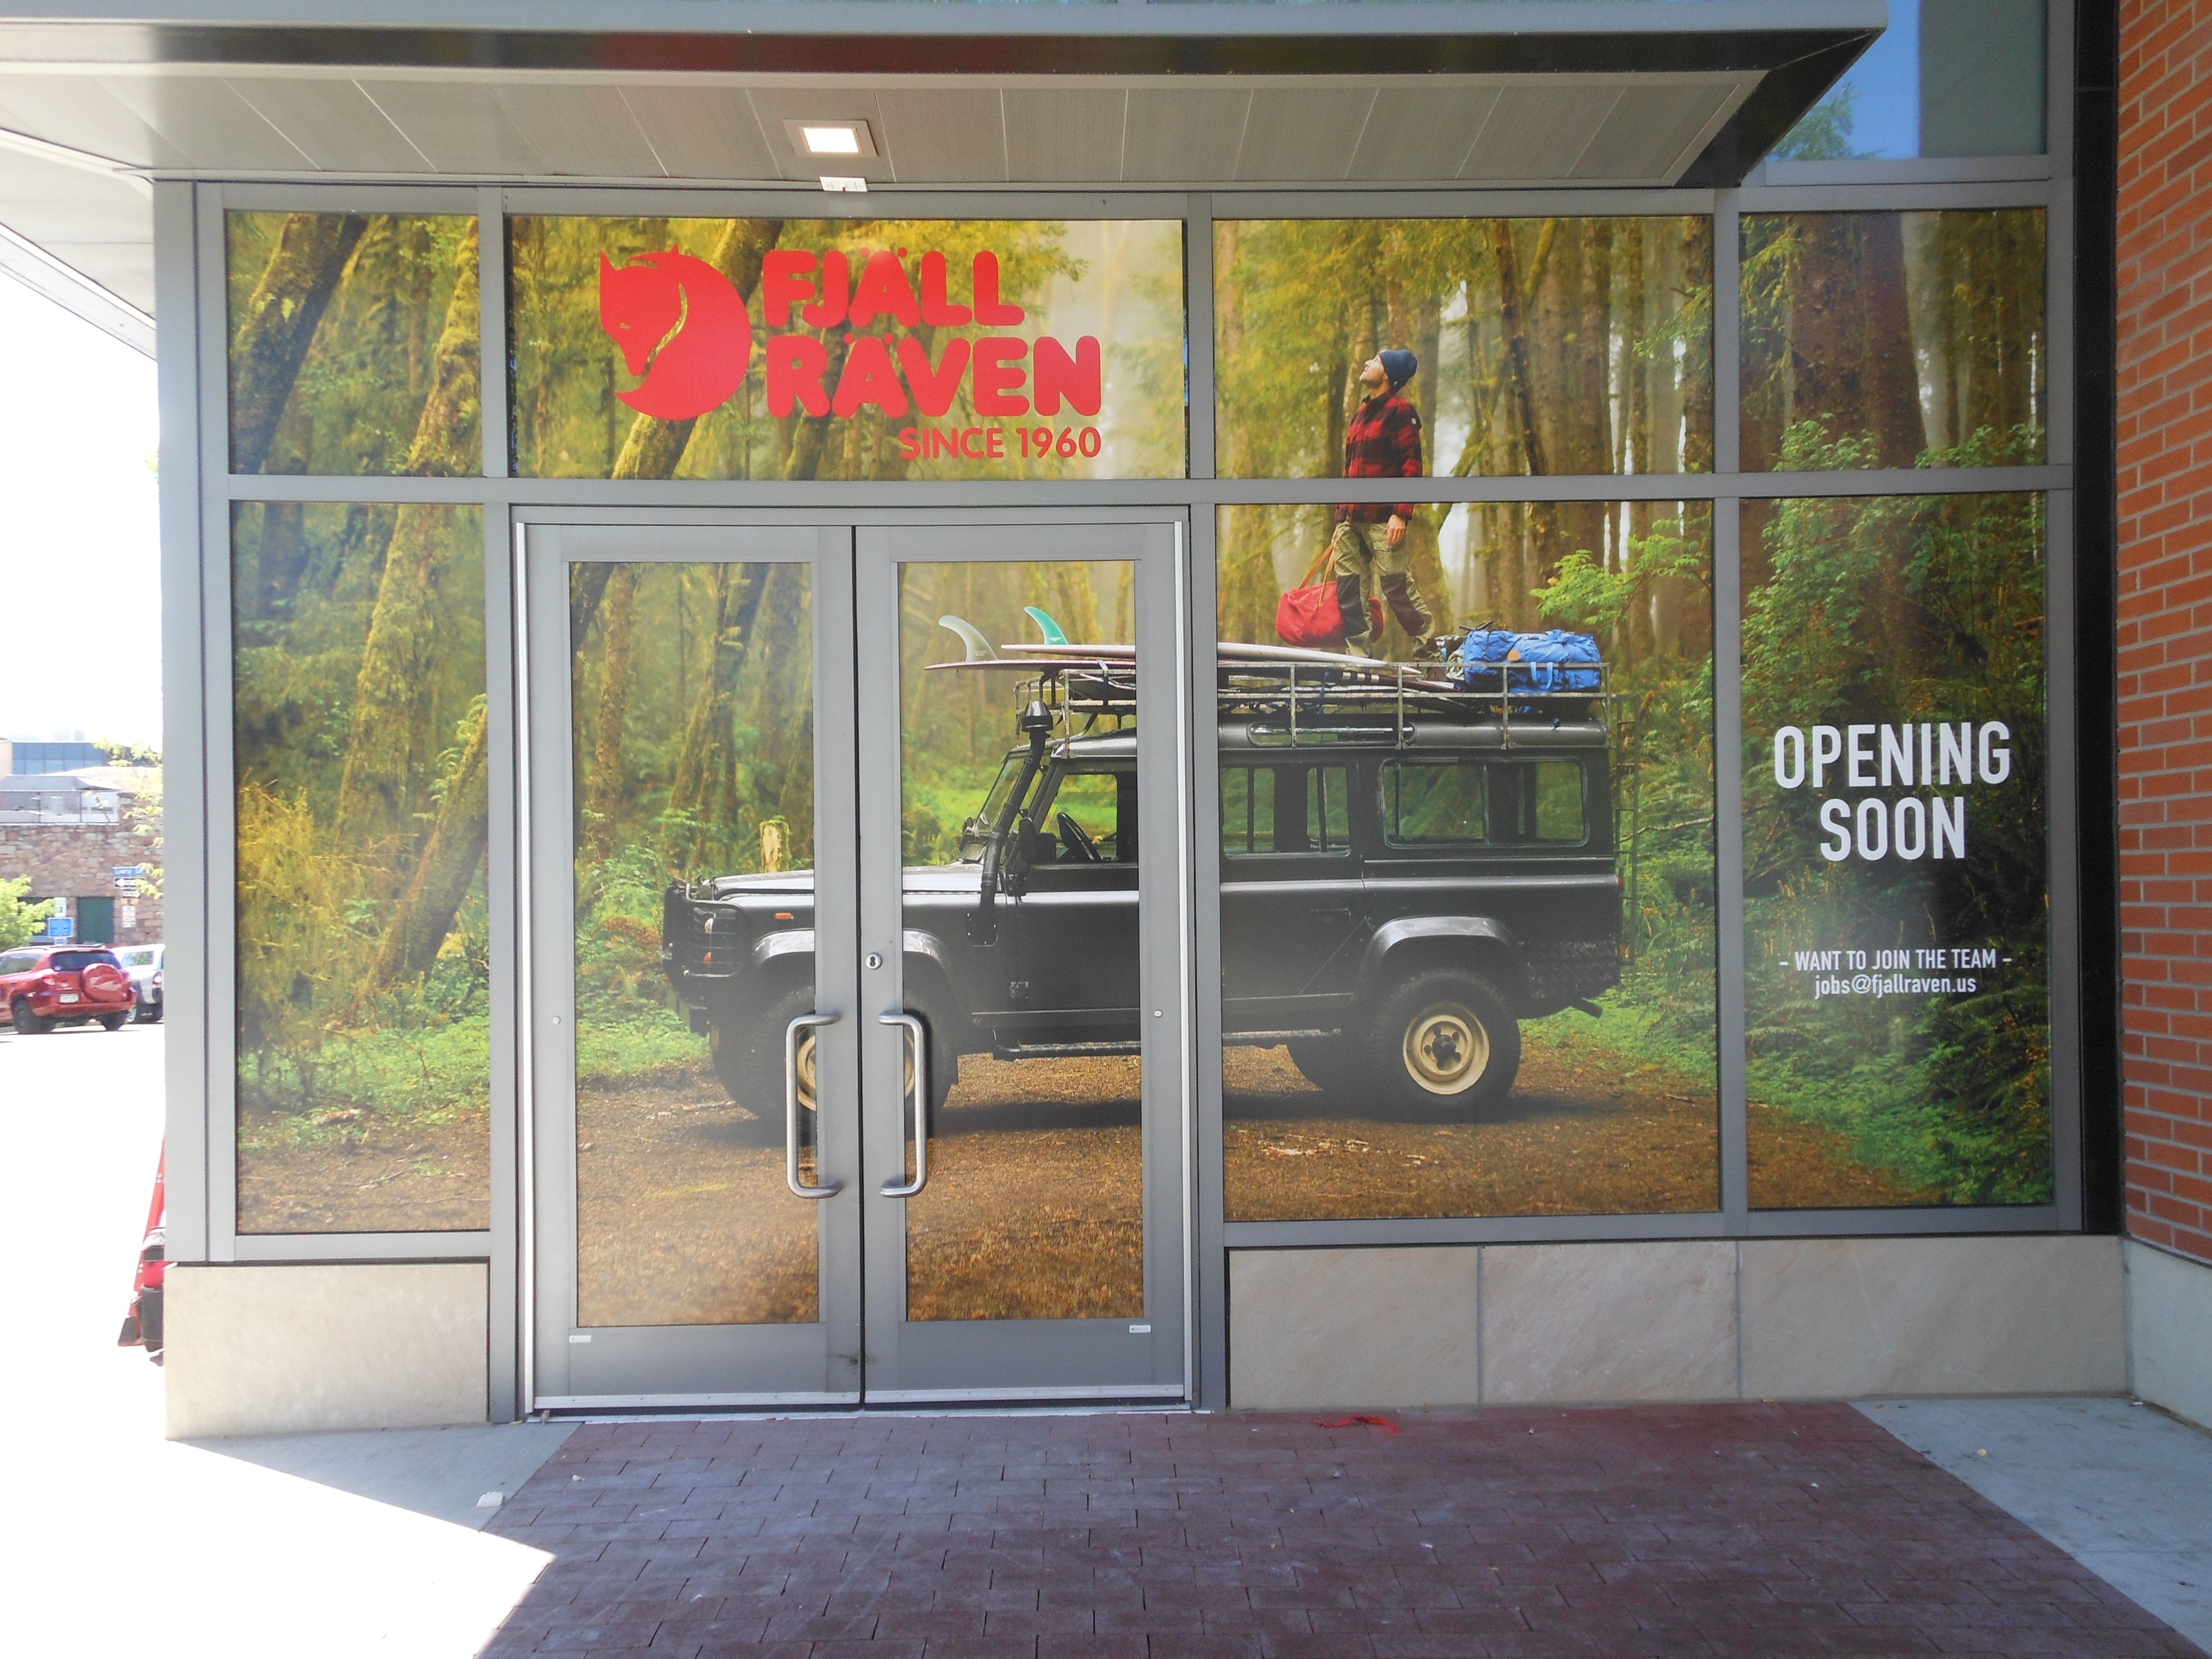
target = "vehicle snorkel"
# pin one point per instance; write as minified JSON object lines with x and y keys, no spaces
{"x":1035,"y":723}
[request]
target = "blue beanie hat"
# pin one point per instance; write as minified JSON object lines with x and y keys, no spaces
{"x":1399,"y":365}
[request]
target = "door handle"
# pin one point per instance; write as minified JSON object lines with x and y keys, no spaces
{"x":791,"y":1034}
{"x":893,"y":1188}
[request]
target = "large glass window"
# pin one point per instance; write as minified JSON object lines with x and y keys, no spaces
{"x":804,"y":348}
{"x":1896,"y":859}
{"x":1537,"y":345}
{"x":363,"y":942}
{"x":1484,"y":986}
{"x":1894,"y":339}
{"x":1947,"y":77}
{"x":353,"y":343}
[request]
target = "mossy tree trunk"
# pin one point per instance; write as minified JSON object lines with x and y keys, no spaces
{"x":281,"y":317}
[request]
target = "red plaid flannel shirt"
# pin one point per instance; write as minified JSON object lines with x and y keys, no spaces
{"x":1382,"y":441}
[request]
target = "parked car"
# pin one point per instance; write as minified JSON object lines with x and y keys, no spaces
{"x":142,"y":1325}
{"x":44,"y":986}
{"x":143,"y":963}
{"x":1405,"y":879}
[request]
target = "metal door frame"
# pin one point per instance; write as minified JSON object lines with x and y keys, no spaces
{"x":1161,"y":613}
{"x":794,"y":1354}
{"x":1035,"y":1359}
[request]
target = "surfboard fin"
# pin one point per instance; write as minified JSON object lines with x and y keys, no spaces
{"x":971,"y":639}
{"x":1046,"y":625}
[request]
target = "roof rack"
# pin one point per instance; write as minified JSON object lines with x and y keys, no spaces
{"x":1324,"y":702}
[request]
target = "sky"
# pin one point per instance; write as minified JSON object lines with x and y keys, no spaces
{"x":1886,"y":88}
{"x":80,"y":550}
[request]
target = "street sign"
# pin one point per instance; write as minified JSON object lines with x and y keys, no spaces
{"x":129,"y":886}
{"x":60,"y":928}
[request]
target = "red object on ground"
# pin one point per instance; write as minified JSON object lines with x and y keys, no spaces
{"x":142,"y":1325}
{"x":1381,"y":1423}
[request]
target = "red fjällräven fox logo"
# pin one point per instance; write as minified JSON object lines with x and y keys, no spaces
{"x":682,"y":326}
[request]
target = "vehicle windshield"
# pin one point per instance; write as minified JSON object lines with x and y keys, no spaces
{"x":976,"y":831}
{"x":75,"y":961}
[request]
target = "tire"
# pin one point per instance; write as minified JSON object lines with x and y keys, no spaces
{"x":29,"y":1023}
{"x":748,"y":1050}
{"x":1333,"y":1065}
{"x":113,"y":1022}
{"x":1444,"y":1043}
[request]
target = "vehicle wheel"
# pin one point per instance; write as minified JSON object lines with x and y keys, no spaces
{"x":748,"y":1053}
{"x":1332,"y":1064}
{"x":113,"y":1022}
{"x":29,"y":1023}
{"x":1444,"y":1043}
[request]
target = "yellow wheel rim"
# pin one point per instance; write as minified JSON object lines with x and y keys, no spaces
{"x":1447,"y":1050}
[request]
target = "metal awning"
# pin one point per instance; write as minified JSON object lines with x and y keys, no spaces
{"x":1526,"y":93}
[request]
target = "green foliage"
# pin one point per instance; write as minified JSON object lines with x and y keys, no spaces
{"x":1823,"y":133}
{"x":323,"y":1056}
{"x":1878,"y":611}
{"x":19,"y":920}
{"x":359,"y":394}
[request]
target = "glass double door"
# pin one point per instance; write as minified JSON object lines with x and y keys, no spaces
{"x":857,"y":1066}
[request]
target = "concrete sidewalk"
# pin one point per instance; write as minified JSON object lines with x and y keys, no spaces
{"x":2122,"y":1488}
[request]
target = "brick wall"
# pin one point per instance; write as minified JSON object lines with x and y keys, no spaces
{"x":2164,"y":391}
{"x":79,"y":860}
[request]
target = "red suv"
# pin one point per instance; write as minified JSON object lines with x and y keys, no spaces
{"x":45,"y":986}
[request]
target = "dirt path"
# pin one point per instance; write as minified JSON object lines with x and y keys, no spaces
{"x":426,"y":1178}
{"x":1579,"y":1136}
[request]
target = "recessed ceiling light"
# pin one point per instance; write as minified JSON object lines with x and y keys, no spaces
{"x":826,"y":136}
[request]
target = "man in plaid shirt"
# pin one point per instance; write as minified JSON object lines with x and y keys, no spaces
{"x":1369,"y":548}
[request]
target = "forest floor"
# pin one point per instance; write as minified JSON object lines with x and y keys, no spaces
{"x":389,"y":1177}
{"x":1585,"y":1133}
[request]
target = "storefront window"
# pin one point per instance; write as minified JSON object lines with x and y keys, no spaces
{"x":363,"y":941}
{"x":1947,"y":77}
{"x":1467,"y":896}
{"x":1896,"y":861}
{"x":813,"y":349}
{"x":1894,"y":339}
{"x":353,"y":343}
{"x":1539,"y":346}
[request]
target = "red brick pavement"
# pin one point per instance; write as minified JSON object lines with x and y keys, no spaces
{"x":1713,"y":1529}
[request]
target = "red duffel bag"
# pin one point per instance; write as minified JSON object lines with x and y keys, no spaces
{"x":1309,"y":614}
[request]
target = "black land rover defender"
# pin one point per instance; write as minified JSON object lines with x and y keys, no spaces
{"x":1408,"y":872}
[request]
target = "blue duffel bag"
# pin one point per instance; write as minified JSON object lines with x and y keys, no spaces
{"x":1555,"y":660}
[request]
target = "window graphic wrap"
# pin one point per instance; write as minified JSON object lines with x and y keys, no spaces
{"x":364,"y":1060}
{"x":1896,"y":866}
{"x":352,"y":344}
{"x":810,"y":349}
{"x":1538,"y":346}
{"x":1467,"y":921}
{"x":1894,"y":339}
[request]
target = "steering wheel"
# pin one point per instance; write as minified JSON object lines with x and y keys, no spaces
{"x":1078,"y":840}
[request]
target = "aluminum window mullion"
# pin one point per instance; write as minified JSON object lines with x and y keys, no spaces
{"x":217,"y":694}
{"x":1728,"y":849}
{"x":1897,"y":198}
{"x":180,"y":364}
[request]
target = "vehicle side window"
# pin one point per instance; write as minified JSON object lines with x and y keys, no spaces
{"x":1436,"y":805}
{"x":1103,"y":804}
{"x":1285,"y":809}
{"x":1538,"y":802}
{"x":19,"y":961}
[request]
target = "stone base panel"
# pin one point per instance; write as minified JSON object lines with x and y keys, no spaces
{"x":2170,"y":1331}
{"x":1767,"y":1319}
{"x":291,"y":1350}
